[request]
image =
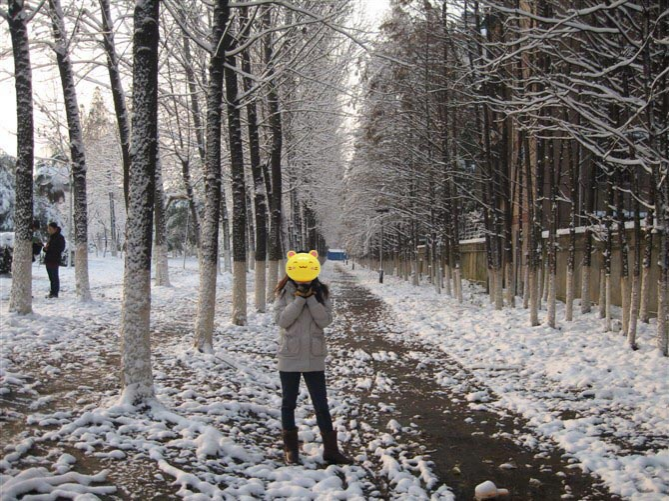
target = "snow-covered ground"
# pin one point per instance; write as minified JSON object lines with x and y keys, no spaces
{"x":215,"y":431}
{"x":579,"y":387}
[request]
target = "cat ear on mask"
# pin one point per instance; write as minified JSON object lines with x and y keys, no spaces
{"x":291,"y":254}
{"x":313,"y":253}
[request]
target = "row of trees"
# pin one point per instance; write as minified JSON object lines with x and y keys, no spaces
{"x":234,"y":108}
{"x":532,"y":117}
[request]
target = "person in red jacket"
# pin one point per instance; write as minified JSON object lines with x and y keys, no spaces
{"x":53,"y":252}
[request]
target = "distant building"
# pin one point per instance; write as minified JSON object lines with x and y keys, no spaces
{"x":337,"y":255}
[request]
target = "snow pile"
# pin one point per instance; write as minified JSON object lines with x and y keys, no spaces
{"x":6,"y":239}
{"x":51,"y":487}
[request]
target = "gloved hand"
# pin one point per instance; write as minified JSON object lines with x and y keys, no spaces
{"x":304,"y":290}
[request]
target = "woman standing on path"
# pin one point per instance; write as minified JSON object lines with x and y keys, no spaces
{"x":302,"y":310}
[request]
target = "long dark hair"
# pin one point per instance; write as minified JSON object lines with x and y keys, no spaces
{"x":323,"y":291}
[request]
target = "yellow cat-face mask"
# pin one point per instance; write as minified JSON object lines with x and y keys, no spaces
{"x":303,"y":267}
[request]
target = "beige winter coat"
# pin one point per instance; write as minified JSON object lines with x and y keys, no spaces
{"x":301,"y":343}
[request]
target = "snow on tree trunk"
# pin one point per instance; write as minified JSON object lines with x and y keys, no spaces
{"x":77,"y":154}
{"x":238,"y":194}
{"x":551,"y":302}
{"x":162,"y":277}
{"x":137,"y":378}
{"x":20,"y":299}
{"x":272,"y":278}
{"x":499,"y":289}
{"x":534,"y":297}
{"x":239,"y":293}
{"x":569,"y":307}
{"x":204,"y":325}
{"x":458,"y":284}
{"x":602,"y":293}
{"x":586,"y":305}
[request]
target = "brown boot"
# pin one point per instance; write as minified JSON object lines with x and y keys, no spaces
{"x":331,"y":453}
{"x":291,"y":451}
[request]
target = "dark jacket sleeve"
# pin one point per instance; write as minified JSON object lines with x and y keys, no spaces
{"x":287,"y":309}
{"x":322,"y":313}
{"x":61,"y":245}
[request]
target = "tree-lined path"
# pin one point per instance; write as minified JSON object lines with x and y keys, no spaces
{"x":401,"y":405}
{"x":497,"y":171}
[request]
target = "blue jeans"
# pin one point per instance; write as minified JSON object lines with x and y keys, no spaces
{"x":290,"y":389}
{"x":55,"y":280}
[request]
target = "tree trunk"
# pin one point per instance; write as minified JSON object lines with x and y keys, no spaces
{"x":275,"y":248}
{"x":551,"y":254}
{"x":259,"y":195}
{"x":137,"y":377}
{"x":227,"y":241}
{"x":574,"y":162}
{"x":602,"y":292}
{"x":636,"y":271}
{"x":586,"y":270}
{"x":238,"y":194}
{"x":162,"y":277}
{"x":20,"y":299}
{"x":77,"y":154}
{"x":644,"y":314}
{"x":624,"y":259}
{"x":118,"y":95}
{"x":204,"y":326}
{"x":194,"y":219}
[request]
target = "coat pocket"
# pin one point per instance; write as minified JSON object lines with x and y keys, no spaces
{"x":318,"y":346}
{"x":290,"y":346}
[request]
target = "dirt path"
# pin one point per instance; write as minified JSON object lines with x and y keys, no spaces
{"x":390,"y":383}
{"x":467,"y":446}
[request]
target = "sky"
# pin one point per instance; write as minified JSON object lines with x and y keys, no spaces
{"x":48,"y":92}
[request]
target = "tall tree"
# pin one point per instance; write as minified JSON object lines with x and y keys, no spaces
{"x":239,"y":240}
{"x":137,"y":377}
{"x":117,"y":90}
{"x":18,"y":16}
{"x":204,"y":326}
{"x":276,"y":149}
{"x":77,"y":155}
{"x":259,"y":195}
{"x":162,"y":277}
